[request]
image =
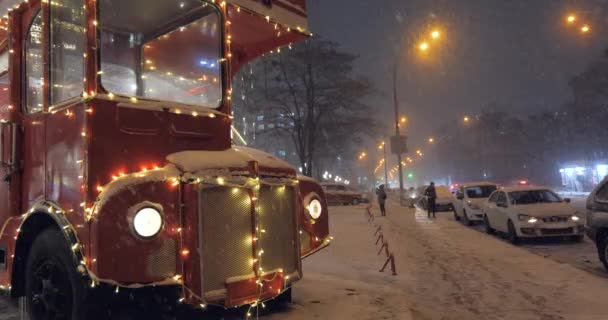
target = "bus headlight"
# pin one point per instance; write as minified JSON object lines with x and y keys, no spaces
{"x":147,"y":222}
{"x":315,"y":209}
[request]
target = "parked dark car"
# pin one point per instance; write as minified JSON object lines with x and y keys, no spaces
{"x":597,"y":220}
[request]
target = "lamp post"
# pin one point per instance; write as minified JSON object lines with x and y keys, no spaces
{"x":397,"y":133}
{"x":383,"y":147}
{"x":424,"y":46}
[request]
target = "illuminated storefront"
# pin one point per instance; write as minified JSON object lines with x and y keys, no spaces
{"x":583,"y":177}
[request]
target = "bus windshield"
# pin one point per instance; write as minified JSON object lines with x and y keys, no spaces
{"x":170,"y":53}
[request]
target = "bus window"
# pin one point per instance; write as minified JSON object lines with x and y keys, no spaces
{"x":34,"y":69}
{"x":67,"y":45}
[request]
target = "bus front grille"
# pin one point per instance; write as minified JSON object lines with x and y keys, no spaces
{"x":227,"y":225}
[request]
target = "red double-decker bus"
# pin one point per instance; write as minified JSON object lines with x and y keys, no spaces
{"x":117,"y":164}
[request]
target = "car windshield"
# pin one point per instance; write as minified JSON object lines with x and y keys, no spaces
{"x":479,"y":192}
{"x":170,"y":53}
{"x":533,"y":196}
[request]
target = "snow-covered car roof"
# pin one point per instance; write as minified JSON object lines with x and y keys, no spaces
{"x":525,"y":188}
{"x":477,"y":184}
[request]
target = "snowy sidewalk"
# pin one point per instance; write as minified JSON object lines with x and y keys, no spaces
{"x":342,"y":282}
{"x":453,"y":272}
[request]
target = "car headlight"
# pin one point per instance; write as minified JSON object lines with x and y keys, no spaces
{"x":527,"y":218}
{"x":147,"y":222}
{"x":575,"y":218}
{"x":315,"y":209}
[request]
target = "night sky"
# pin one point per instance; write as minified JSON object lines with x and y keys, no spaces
{"x":513,"y":54}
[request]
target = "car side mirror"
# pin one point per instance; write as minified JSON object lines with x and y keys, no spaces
{"x":567,"y":200}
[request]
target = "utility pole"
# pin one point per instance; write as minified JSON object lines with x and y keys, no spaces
{"x":397,"y":134}
{"x":385,"y":166}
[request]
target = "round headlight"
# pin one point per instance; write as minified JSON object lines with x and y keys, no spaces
{"x":147,"y":222}
{"x":315,"y":209}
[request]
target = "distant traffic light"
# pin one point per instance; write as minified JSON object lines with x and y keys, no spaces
{"x":410,"y":175}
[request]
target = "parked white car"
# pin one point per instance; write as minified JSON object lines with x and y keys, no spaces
{"x":471,"y":197}
{"x":529,"y":212}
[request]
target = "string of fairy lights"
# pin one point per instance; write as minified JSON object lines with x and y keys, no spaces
{"x":90,"y":210}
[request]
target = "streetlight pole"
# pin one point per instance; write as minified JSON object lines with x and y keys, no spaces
{"x":385,"y":165}
{"x":397,"y":134}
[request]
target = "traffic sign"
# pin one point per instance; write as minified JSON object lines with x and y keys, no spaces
{"x":398,"y":144}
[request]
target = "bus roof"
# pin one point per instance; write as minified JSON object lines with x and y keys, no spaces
{"x":289,"y":13}
{"x":257,"y":28}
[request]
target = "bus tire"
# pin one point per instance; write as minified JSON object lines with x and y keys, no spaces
{"x":53,"y":287}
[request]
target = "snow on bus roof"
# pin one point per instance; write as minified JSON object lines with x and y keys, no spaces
{"x":306,"y":178}
{"x":236,"y":157}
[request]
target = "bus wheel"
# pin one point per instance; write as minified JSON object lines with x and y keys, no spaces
{"x":54,"y":289}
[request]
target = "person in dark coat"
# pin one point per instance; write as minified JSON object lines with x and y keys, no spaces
{"x":381,"y":193}
{"x":431,"y":198}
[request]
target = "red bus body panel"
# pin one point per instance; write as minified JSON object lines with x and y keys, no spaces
{"x":86,"y":164}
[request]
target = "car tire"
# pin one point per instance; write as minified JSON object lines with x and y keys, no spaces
{"x":54,"y":289}
{"x":489,"y":229}
{"x":602,"y":249}
{"x":512,"y":234}
{"x":456,"y":217}
{"x":465,"y":219}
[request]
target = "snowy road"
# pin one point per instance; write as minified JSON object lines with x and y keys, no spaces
{"x":455,"y":272}
{"x":446,"y":271}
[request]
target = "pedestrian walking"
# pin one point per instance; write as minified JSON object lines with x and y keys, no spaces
{"x":381,"y":193}
{"x":431,"y":198}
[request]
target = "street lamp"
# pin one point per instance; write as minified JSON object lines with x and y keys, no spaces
{"x":466,"y":119}
{"x":424,"y":46}
{"x":431,"y":140}
{"x":383,"y":147}
{"x":571,"y":19}
{"x":585,"y":29}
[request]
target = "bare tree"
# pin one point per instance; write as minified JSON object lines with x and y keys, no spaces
{"x":314,"y":98}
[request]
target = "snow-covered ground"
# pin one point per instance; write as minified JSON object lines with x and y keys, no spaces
{"x":7,"y":310}
{"x":445,"y":271}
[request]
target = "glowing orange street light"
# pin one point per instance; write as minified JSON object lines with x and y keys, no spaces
{"x":466,"y":119}
{"x":571,"y":19}
{"x":585,"y":29}
{"x":423,"y":46}
{"x":431,"y":140}
{"x":403,"y":120}
{"x":435,"y":34}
